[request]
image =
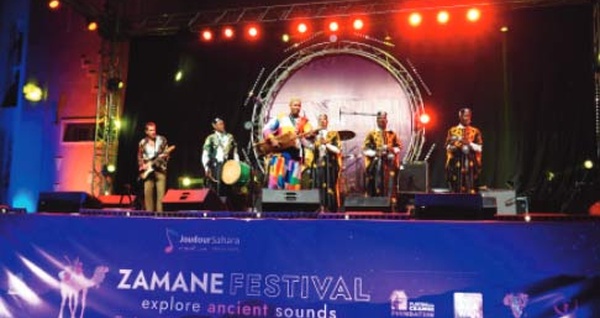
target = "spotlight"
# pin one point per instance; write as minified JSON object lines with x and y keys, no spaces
{"x":415,"y":19}
{"x":334,"y":26}
{"x":424,"y":119}
{"x":33,"y":92}
{"x":302,"y":28}
{"x":207,"y":35}
{"x":473,"y":14}
{"x":178,"y":76}
{"x":588,"y":164}
{"x":504,"y":29}
{"x":186,"y":181}
{"x":111,"y":168}
{"x":92,"y":26}
{"x":253,"y":32}
{"x":228,"y":32}
{"x":443,"y":17}
{"x":113,"y":84}
{"x":358,"y":24}
{"x":285,"y":38}
{"x":53,"y":4}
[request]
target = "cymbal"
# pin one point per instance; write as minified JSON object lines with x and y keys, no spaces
{"x":346,"y":134}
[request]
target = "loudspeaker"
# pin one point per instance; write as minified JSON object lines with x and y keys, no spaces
{"x":290,"y":200}
{"x":117,"y":201}
{"x":67,"y":201}
{"x":362,"y":203}
{"x":454,"y":206}
{"x":197,"y":199}
{"x":414,"y":177}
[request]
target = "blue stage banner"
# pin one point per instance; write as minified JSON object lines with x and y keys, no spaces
{"x":125,"y":267}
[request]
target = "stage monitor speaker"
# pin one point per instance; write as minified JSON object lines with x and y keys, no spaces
{"x":414,"y":177}
{"x":362,"y":203}
{"x":290,"y":200}
{"x":117,"y":201}
{"x":68,"y":201}
{"x":192,"y":199}
{"x":454,"y":206}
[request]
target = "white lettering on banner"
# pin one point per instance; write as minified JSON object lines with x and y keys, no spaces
{"x":297,"y":286}
{"x":208,"y":283}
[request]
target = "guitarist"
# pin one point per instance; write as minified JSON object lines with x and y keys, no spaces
{"x":285,"y":166}
{"x":153,"y":154}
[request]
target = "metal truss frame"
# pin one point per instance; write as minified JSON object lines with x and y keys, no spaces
{"x":169,"y":23}
{"x":274,"y":82}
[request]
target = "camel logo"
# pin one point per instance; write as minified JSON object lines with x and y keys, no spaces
{"x":516,"y":303}
{"x":73,"y":282}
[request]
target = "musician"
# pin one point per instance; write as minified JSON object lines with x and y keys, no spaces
{"x":381,"y":149}
{"x":153,"y":155}
{"x":464,"y":145}
{"x":327,"y":150}
{"x":285,"y":165}
{"x":218,"y":147}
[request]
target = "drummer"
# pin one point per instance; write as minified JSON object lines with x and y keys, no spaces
{"x":219,"y":147}
{"x":285,"y":165}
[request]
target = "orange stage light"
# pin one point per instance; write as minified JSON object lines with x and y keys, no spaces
{"x":334,"y":26}
{"x":207,"y":35}
{"x":424,"y":119}
{"x":473,"y":15}
{"x":253,"y":31}
{"x":415,"y":19}
{"x":228,"y":32}
{"x":54,"y":4}
{"x":92,"y":26}
{"x":443,"y":17}
{"x":358,"y":24}
{"x":302,"y":28}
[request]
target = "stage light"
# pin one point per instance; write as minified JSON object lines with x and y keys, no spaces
{"x":33,"y":92}
{"x":333,"y":26}
{"x":186,"y":181}
{"x":415,"y":19}
{"x":118,"y":124}
{"x":527,"y":218}
{"x":504,"y":29}
{"x":424,"y":119}
{"x":550,"y":175}
{"x":443,"y":17}
{"x":114,"y":84}
{"x":92,"y":26}
{"x":358,"y":24}
{"x":473,"y":14}
{"x":207,"y":35}
{"x":285,"y":38}
{"x":53,"y":4}
{"x":588,"y":164}
{"x":178,"y":76}
{"x":302,"y":28}
{"x":252,"y":32}
{"x":228,"y":32}
{"x":111,"y":168}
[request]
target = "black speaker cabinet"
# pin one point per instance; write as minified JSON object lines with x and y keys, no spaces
{"x":192,"y":199}
{"x":68,"y":202}
{"x":414,"y":177}
{"x":362,"y":203}
{"x":290,"y":200}
{"x":454,"y":206}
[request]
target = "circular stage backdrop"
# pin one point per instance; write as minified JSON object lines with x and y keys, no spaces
{"x":350,"y":82}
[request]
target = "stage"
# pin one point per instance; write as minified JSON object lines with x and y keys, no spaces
{"x":127,"y":263}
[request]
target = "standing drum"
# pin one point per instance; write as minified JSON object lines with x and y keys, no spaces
{"x":235,"y":173}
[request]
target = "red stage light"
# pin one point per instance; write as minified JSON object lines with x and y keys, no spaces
{"x":228,"y":32}
{"x":302,"y":28}
{"x":207,"y":35}
{"x":424,"y":119}
{"x":415,"y":19}
{"x":443,"y":17}
{"x":358,"y":24}
{"x":334,"y":26}
{"x":54,"y":4}
{"x":473,"y":15}
{"x":253,"y":31}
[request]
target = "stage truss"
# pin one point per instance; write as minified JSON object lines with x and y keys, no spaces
{"x":265,"y":98}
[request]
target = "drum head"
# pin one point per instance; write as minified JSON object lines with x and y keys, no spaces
{"x":231,"y":172}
